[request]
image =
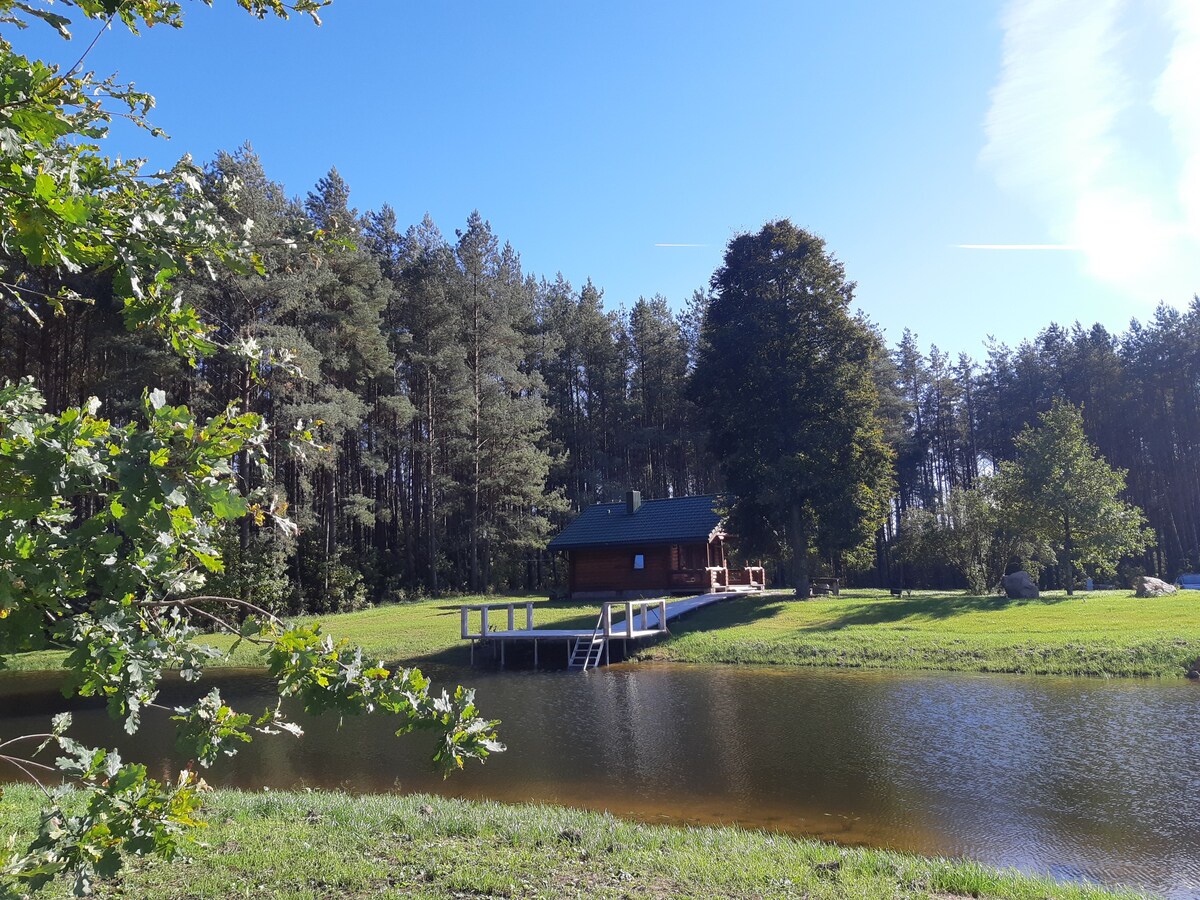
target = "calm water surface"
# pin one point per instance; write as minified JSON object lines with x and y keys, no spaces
{"x":1081,"y":779}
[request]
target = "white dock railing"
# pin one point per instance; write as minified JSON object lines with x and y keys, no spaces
{"x":484,"y":608}
{"x":638,"y":617}
{"x":630,"y":606}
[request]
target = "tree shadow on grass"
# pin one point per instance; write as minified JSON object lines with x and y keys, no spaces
{"x":885,"y":612}
{"x":744,"y":610}
{"x":456,"y":657}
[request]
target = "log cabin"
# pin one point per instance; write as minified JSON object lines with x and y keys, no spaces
{"x":650,"y":548}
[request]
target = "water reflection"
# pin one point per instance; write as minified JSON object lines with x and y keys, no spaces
{"x":1083,"y":779}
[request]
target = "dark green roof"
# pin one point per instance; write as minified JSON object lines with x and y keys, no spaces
{"x":676,"y":520}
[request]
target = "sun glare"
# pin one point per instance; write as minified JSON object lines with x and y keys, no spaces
{"x":1123,"y":237}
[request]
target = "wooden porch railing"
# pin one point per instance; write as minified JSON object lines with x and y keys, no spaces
{"x":717,"y":578}
{"x":751,"y":576}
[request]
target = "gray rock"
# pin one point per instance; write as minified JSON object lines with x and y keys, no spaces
{"x":1152,"y":587}
{"x":1020,"y":586}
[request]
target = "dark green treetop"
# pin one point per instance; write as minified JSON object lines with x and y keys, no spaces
{"x":785,"y":382}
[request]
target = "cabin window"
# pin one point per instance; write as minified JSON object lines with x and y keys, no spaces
{"x":639,"y":561}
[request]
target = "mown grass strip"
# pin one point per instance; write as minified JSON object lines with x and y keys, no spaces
{"x":313,"y":846}
{"x":1109,"y":633}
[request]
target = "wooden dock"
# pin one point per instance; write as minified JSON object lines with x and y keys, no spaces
{"x":624,"y":620}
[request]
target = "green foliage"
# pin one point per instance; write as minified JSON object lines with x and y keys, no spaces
{"x":124,"y":812}
{"x":133,"y":14}
{"x":208,"y":729}
{"x":974,"y":533}
{"x":785,"y":378}
{"x":1138,"y":392}
{"x":501,"y":446}
{"x":111,"y":586}
{"x":109,"y":529}
{"x":660,"y":414}
{"x":257,"y":572}
{"x":1062,"y":492}
{"x":334,"y":675}
{"x":67,"y":209}
{"x":99,"y":583}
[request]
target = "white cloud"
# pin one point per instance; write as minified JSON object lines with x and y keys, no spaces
{"x":1055,"y":138}
{"x":1177,"y":99}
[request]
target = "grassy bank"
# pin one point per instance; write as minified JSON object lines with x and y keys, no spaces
{"x":422,"y":632}
{"x":1101,"y":633}
{"x":320,"y":845}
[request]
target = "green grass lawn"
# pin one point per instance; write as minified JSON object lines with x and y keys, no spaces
{"x":421,"y":632}
{"x":1101,"y":633}
{"x":1098,"y":633}
{"x":318,"y":846}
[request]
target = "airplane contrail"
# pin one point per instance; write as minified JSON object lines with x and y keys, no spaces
{"x":1017,"y":246}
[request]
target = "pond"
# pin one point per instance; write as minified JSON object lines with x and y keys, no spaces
{"x":1080,"y":779}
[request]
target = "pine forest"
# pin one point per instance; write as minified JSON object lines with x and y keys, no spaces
{"x":465,"y":409}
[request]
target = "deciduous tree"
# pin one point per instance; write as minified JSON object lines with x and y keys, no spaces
{"x":1065,"y":493}
{"x":108,"y":529}
{"x":973,"y":533}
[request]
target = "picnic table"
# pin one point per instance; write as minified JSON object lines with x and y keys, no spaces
{"x":825,"y":586}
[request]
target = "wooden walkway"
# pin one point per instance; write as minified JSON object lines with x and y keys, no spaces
{"x":677,"y":609}
{"x":625,"y":620}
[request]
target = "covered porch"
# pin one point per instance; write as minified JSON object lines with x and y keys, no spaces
{"x":704,"y":568}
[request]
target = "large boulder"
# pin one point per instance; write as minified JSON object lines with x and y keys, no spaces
{"x":1020,"y":586}
{"x":1152,"y":587}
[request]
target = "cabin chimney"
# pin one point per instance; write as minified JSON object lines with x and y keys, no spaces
{"x":633,"y":500}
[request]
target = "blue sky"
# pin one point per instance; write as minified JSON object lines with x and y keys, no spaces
{"x":591,"y":134}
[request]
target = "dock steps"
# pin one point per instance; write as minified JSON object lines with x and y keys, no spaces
{"x":587,"y":651}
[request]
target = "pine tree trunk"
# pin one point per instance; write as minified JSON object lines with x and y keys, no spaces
{"x":430,"y":519}
{"x":1068,"y":563}
{"x":799,"y":540}
{"x":243,"y":464}
{"x":476,"y":450}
